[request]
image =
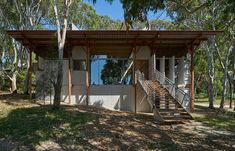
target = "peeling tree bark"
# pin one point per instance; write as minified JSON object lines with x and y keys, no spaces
{"x":13,"y":83}
{"x":231,"y":86}
{"x":26,"y":80}
{"x":233,"y":79}
{"x":224,"y":68}
{"x":61,"y":36}
{"x":224,"y":87}
{"x":211,"y":77}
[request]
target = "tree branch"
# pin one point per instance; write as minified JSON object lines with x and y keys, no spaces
{"x":57,"y":20}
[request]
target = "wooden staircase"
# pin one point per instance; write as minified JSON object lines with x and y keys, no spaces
{"x":165,"y":107}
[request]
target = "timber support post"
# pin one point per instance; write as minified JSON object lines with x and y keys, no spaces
{"x":30,"y":74}
{"x":192,"y":91}
{"x":87,"y":74}
{"x":70,"y":79}
{"x":134,"y":78}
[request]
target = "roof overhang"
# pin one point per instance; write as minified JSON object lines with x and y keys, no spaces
{"x":163,"y":42}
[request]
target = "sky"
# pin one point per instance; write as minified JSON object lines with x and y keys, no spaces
{"x":115,"y":10}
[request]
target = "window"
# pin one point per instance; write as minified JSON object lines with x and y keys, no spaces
{"x":79,"y":65}
{"x":111,"y":71}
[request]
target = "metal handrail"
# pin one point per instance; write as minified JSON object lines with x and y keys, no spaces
{"x":173,"y":89}
{"x":178,"y":94}
{"x":149,"y":90}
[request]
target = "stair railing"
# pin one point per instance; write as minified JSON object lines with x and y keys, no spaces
{"x":149,"y":90}
{"x":177,"y":93}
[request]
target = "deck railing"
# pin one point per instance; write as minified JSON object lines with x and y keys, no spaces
{"x":177,"y":93}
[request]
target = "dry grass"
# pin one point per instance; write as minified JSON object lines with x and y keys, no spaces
{"x":28,"y":126}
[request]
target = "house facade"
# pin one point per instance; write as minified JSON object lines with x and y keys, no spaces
{"x":113,"y":69}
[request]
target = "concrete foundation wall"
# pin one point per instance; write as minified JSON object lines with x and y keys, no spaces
{"x":141,"y":100}
{"x":112,"y":97}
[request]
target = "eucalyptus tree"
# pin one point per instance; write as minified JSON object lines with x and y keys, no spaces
{"x":20,"y":14}
{"x":10,"y":62}
{"x":9,"y":56}
{"x":212,"y":16}
{"x":61,"y":24}
{"x":29,"y":14}
{"x":228,"y":11}
{"x":224,"y":45}
{"x":180,"y":13}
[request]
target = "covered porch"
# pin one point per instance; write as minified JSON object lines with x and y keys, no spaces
{"x":144,"y":51}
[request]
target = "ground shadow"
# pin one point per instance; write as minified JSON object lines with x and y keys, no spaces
{"x":85,"y":128}
{"x":13,"y":97}
{"x":29,"y":126}
{"x":93,"y":128}
{"x":220,"y":118}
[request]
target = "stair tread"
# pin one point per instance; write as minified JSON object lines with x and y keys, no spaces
{"x":183,"y":112}
{"x":172,"y":118}
{"x":169,"y":108}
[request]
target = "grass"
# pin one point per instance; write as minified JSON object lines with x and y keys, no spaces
{"x":223,"y":119}
{"x":28,"y":126}
{"x":37,"y":124}
{"x":203,"y":99}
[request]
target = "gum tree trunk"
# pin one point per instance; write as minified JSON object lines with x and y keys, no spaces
{"x":58,"y":85}
{"x":61,"y":36}
{"x":224,"y":68}
{"x":224,"y":87}
{"x":26,"y":80}
{"x":211,"y":77}
{"x":233,"y":79}
{"x":231,"y":85}
{"x":13,"y":83}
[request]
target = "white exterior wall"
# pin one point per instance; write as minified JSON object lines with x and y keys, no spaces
{"x":152,"y":66}
{"x":78,"y":79}
{"x":162,"y":68}
{"x":143,"y":53}
{"x":172,"y":69}
{"x":172,"y":73}
{"x":181,"y":69}
{"x":116,"y":97}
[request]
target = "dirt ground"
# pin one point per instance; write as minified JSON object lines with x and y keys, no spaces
{"x":106,"y":130}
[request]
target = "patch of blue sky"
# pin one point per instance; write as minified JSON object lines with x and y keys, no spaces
{"x":115,"y":10}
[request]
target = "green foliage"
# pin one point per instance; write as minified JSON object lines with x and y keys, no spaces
{"x":20,"y":80}
{"x":33,"y":125}
{"x":207,"y":15}
{"x":159,"y":24}
{"x":138,"y":9}
{"x":112,"y":72}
